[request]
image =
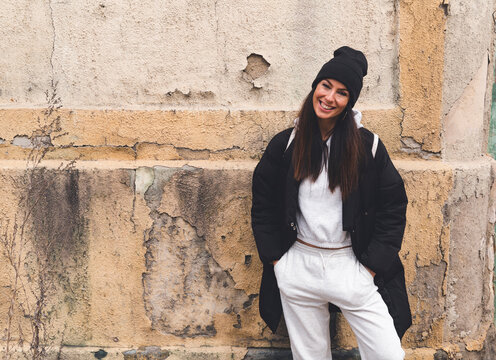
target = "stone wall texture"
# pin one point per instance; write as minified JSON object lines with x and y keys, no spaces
{"x":129,"y":132}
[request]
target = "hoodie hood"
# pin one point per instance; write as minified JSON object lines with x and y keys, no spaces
{"x":357,"y":115}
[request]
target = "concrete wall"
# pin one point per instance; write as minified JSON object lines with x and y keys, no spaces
{"x":149,"y":120}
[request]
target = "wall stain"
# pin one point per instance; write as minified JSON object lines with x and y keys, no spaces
{"x":184,"y":287}
{"x":60,"y":245}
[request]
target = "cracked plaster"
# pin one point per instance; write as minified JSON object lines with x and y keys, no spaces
{"x":463,"y":125}
{"x":169,"y":135}
{"x":425,"y":250}
{"x":421,"y":63}
{"x":123,"y":205}
{"x":468,"y":37}
{"x":467,"y":213}
{"x":124,"y":210}
{"x":129,"y":54}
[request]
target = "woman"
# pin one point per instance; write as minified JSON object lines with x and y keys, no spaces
{"x":328,"y":218}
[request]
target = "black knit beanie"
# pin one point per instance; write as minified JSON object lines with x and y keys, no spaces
{"x":348,"y":66}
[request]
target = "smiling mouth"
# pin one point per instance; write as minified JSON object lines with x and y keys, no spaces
{"x":325,"y":107}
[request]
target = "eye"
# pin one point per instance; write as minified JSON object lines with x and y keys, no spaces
{"x":343,"y":93}
{"x":326,"y":85}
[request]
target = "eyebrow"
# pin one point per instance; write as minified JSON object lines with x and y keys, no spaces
{"x":327,"y":81}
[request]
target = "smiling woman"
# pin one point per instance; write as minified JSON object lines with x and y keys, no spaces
{"x":328,"y":217}
{"x":329,"y":101}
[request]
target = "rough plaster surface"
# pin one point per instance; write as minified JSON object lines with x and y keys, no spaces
{"x":463,"y":126}
{"x":468,"y":37}
{"x":26,"y":70}
{"x":467,"y":213}
{"x":155,"y":236}
{"x":63,"y":242}
{"x":207,"y":353}
{"x":421,"y":62}
{"x":425,"y":249}
{"x":165,"y":135}
{"x":54,"y":266}
{"x":179,"y":248}
{"x":215,"y":275}
{"x":144,"y":233}
{"x":188,"y":54}
{"x":120,"y":284}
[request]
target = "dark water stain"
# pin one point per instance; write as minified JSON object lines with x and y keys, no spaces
{"x":57,"y":228}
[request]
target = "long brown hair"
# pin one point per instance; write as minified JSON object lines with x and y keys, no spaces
{"x":345,"y":155}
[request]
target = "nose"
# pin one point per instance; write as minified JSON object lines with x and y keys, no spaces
{"x":330,"y":96}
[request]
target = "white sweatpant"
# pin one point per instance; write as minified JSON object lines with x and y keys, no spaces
{"x":310,"y":278}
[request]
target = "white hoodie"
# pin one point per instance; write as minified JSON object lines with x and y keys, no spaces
{"x":319,"y":219}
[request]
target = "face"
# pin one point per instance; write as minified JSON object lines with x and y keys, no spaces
{"x":330,"y":99}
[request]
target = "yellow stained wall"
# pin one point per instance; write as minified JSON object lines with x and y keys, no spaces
{"x":156,"y":187}
{"x":421,"y":64}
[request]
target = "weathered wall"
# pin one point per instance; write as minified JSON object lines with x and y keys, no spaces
{"x":143,"y":246}
{"x":468,"y":45}
{"x":188,"y":268}
{"x":188,"y":53}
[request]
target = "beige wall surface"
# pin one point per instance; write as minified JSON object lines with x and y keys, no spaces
{"x":188,"y":54}
{"x":128,"y":136}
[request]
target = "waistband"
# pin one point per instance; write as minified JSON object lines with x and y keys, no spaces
{"x":335,"y":247}
{"x":319,"y":252}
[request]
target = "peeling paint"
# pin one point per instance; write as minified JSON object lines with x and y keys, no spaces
{"x":31,"y":142}
{"x":22,"y":141}
{"x":445,"y":5}
{"x":164,"y":254}
{"x":191,"y":97}
{"x":410,"y":146}
{"x":144,"y":179}
{"x":184,"y":287}
{"x":468,"y":214}
{"x":148,"y":353}
{"x":256,"y":67}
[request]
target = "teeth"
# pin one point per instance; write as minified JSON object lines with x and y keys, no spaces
{"x":326,"y":107}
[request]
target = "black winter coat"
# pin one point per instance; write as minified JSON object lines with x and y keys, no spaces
{"x":373,"y":214}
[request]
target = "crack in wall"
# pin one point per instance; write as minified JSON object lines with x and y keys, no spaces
{"x":409,"y":145}
{"x":221,"y":45}
{"x":133,"y":176}
{"x":181,"y":152}
{"x":446,"y":6}
{"x":425,"y":288}
{"x":52,"y":54}
{"x":191,"y":97}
